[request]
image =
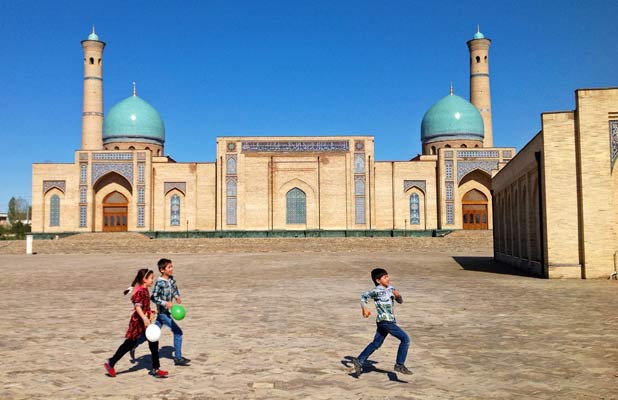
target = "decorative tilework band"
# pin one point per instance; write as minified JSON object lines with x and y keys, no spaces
{"x":97,"y":114}
{"x":478,"y":154}
{"x":96,"y":78}
{"x":295,"y":146}
{"x":479,"y":74}
{"x":112,"y":156}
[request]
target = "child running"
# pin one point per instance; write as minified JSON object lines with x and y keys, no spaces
{"x":164,"y":292}
{"x":140,"y":319}
{"x":383,"y":295}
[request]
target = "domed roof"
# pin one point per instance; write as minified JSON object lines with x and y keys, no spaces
{"x":93,"y":35}
{"x":478,"y":34}
{"x":133,"y":120}
{"x":452,"y":118}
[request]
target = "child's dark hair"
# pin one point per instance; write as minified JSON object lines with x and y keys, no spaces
{"x":139,"y":278}
{"x":377,"y":273}
{"x":164,"y":262}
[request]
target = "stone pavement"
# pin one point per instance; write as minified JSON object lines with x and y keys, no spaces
{"x":282,"y":324}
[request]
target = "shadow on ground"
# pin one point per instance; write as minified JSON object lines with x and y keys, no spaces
{"x":489,"y":265}
{"x":369,"y":367}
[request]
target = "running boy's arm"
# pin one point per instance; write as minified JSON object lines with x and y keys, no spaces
{"x":157,"y":294}
{"x":371,"y":294}
{"x":397,"y":295}
{"x":175,"y":292}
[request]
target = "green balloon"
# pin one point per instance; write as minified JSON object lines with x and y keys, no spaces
{"x":178,"y":312}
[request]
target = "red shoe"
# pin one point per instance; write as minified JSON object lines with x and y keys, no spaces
{"x":110,"y":370}
{"x":158,"y":373}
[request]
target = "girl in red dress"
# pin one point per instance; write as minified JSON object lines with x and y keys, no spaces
{"x":140,"y":319}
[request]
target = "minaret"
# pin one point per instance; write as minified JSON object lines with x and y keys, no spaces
{"x":92,"y":111}
{"x":479,"y":82}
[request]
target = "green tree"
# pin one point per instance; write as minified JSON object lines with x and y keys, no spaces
{"x":19,"y":209}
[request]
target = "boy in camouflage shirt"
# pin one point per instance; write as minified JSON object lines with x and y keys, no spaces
{"x":383,"y":295}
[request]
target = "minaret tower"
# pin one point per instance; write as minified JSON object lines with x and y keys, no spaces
{"x":92,"y":111}
{"x":479,"y":82}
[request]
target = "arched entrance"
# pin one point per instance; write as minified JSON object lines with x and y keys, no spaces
{"x":115,"y":212}
{"x":474,"y":210}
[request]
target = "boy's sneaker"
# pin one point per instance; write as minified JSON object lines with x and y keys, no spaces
{"x":181,"y":361}
{"x":158,"y":373}
{"x":110,"y":370}
{"x":358,"y":366}
{"x":402,"y":369}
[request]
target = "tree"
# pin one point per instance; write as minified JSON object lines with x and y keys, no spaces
{"x":19,"y":209}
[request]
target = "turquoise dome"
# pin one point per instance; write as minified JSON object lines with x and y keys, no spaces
{"x":452,"y":118}
{"x":133,"y":120}
{"x":479,"y":35}
{"x":93,"y":36}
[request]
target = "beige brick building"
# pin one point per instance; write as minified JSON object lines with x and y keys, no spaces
{"x":121,"y":180}
{"x":556,"y":203}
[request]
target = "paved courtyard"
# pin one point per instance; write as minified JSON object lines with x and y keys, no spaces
{"x":282,"y":323}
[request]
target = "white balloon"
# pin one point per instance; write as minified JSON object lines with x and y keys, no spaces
{"x":153,"y":333}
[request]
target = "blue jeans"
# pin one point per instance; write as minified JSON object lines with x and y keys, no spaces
{"x":383,"y":329}
{"x":166,"y":319}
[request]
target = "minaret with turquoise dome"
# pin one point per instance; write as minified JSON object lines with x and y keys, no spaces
{"x":92,"y":109}
{"x":479,"y":81}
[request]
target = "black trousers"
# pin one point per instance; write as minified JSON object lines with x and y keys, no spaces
{"x":128,"y":344}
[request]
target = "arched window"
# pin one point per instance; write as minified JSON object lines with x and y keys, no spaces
{"x":448,"y":146}
{"x":296,"y":207}
{"x":231,"y":166}
{"x":478,"y":59}
{"x":433,"y":149}
{"x":131,"y":148}
{"x":175,"y":210}
{"x":463,"y":145}
{"x":415,"y":209}
{"x":54,"y":210}
{"x":91,"y":60}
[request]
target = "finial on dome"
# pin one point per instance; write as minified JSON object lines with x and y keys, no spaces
{"x":134,"y":89}
{"x":93,"y":35}
{"x":478,"y":34}
{"x":451,"y":92}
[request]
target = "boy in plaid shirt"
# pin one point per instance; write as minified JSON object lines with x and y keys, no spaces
{"x":383,"y":295}
{"x":165,"y":290}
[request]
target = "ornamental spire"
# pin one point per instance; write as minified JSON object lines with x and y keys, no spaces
{"x":134,"y":89}
{"x":451,"y":92}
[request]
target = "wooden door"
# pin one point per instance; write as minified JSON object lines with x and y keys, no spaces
{"x":474,"y":210}
{"x":115,"y":213}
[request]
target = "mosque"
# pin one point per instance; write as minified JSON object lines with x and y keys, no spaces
{"x":553,"y":209}
{"x":122,"y":180}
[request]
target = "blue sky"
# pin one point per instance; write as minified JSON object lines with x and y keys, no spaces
{"x":220,"y":68}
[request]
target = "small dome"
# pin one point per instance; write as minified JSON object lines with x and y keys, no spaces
{"x":479,"y":35}
{"x":452,"y":118}
{"x":93,"y":35}
{"x":133,"y":120}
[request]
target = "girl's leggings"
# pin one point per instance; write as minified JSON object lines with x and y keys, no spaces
{"x":128,"y":344}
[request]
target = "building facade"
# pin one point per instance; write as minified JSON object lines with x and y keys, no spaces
{"x":556,"y":203}
{"x":121,"y":180}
